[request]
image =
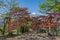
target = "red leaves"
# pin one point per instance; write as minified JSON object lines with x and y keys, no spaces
{"x":13,"y":26}
{"x":20,"y":11}
{"x":23,"y":20}
{"x":15,"y":23}
{"x":10,"y":28}
{"x":33,"y":26}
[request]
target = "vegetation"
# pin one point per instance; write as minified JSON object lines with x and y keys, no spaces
{"x":9,"y":5}
{"x":50,"y":6}
{"x":17,"y":20}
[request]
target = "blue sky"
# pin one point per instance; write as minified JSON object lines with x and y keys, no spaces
{"x":31,"y":5}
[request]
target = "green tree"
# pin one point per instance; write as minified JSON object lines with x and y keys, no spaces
{"x":50,"y":6}
{"x":6,"y":6}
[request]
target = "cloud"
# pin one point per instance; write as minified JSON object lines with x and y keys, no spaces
{"x":33,"y":13}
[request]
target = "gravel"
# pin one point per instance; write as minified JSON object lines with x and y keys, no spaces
{"x":33,"y":36}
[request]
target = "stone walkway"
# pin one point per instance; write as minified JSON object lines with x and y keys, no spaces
{"x":31,"y":37}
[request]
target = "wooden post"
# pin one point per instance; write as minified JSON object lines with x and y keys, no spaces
{"x":49,"y":28}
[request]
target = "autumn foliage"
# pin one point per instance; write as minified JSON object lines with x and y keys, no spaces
{"x":21,"y":16}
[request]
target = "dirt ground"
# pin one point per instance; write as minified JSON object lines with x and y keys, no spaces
{"x":57,"y":37}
